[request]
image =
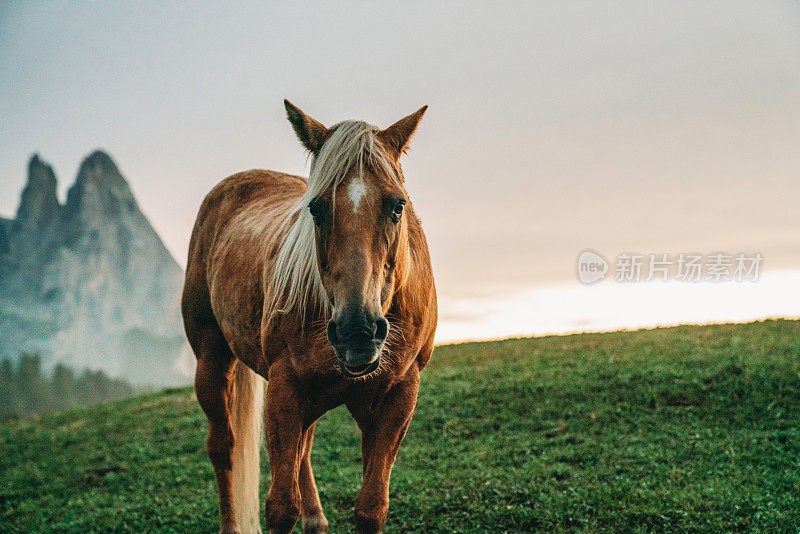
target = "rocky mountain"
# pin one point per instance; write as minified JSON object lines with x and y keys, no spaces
{"x":89,"y":282}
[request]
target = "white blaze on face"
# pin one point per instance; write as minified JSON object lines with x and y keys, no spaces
{"x":356,"y":190}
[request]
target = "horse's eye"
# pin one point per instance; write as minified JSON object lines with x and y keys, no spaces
{"x":317,"y":209}
{"x":397,"y":210}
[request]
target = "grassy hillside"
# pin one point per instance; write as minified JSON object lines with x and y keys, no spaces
{"x":688,"y":428}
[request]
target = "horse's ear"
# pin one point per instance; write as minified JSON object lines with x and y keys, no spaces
{"x":310,"y":132}
{"x":396,"y":136}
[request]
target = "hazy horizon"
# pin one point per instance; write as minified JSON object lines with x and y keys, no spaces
{"x":615,"y":126}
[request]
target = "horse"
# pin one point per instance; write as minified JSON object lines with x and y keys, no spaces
{"x":323,"y":289}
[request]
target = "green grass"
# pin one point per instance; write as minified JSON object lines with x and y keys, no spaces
{"x":679,"y":429}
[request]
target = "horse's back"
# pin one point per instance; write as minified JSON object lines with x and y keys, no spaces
{"x":240,"y":191}
{"x":237,"y":226}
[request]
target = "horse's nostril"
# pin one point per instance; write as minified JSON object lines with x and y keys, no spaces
{"x":359,"y":332}
{"x":381,"y":329}
{"x":333,"y":337}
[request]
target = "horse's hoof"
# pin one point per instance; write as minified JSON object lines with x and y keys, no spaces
{"x":315,"y":524}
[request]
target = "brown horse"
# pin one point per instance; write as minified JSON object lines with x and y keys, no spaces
{"x":324,"y":288}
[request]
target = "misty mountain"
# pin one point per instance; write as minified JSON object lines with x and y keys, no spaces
{"x":89,"y":283}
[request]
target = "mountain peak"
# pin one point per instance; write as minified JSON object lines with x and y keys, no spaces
{"x":39,"y":200}
{"x":40,"y":173}
{"x":100,"y":159}
{"x":90,"y":282}
{"x":99,"y":186}
{"x":99,"y":168}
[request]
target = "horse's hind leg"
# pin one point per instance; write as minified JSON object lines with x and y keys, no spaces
{"x":213,"y":387}
{"x":314,"y":521}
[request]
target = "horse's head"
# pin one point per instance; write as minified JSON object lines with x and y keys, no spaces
{"x":356,"y":199}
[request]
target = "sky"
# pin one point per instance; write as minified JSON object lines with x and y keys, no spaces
{"x":642,"y":127}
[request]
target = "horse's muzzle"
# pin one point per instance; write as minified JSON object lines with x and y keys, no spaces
{"x":358,"y":344}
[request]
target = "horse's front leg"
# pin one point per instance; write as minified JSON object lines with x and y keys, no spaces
{"x":284,"y":414}
{"x":383,"y":428}
{"x":314,"y":521}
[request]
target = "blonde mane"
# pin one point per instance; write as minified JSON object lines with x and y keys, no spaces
{"x":352,"y":145}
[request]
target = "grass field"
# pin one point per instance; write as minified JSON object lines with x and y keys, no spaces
{"x":679,"y":429}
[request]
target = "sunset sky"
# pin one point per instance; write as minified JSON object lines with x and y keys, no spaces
{"x":661,"y":127}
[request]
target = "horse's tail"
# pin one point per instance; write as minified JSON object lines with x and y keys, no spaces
{"x":247,"y":405}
